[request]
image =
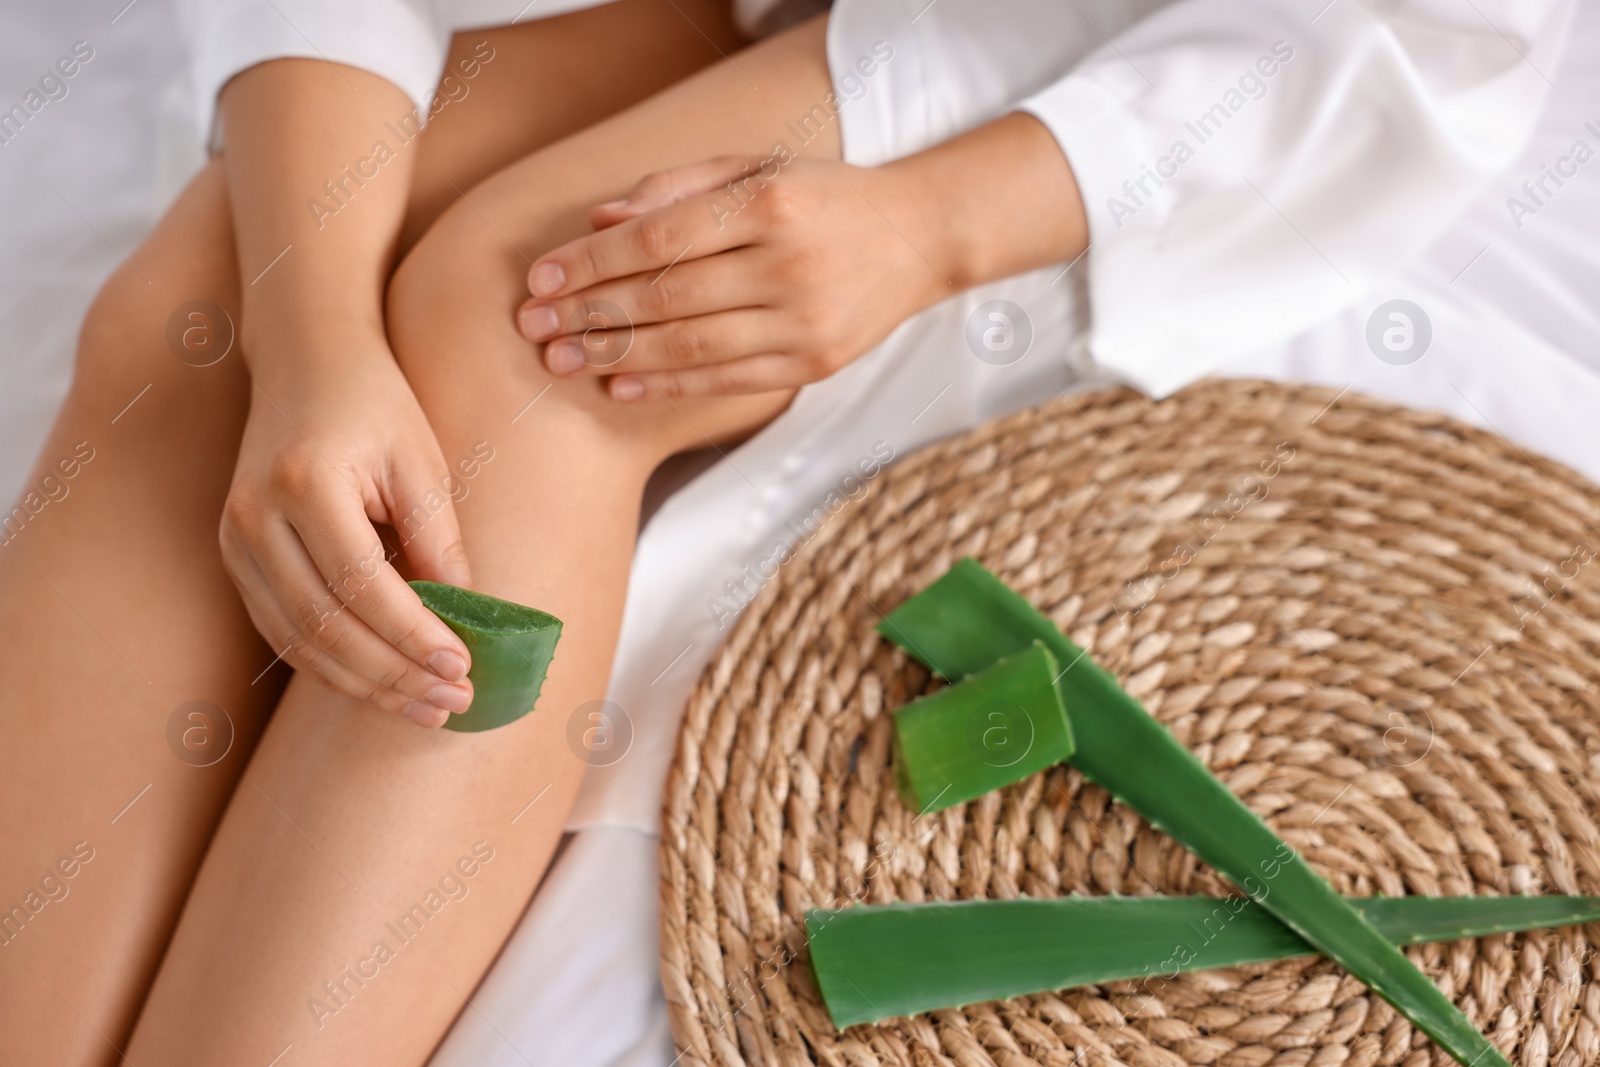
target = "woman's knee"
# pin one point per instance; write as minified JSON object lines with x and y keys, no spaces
{"x":444,"y":310}
{"x":450,"y":319}
{"x":451,"y":322}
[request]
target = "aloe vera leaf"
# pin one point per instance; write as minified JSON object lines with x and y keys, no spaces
{"x":968,"y":618}
{"x":984,"y":732}
{"x":873,"y":962}
{"x":511,"y":648}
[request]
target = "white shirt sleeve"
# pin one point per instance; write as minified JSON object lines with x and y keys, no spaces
{"x":1250,"y":167}
{"x":404,"y":41}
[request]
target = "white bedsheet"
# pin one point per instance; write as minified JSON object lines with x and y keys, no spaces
{"x":1515,"y":313}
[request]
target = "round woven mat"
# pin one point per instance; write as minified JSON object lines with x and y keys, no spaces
{"x":1378,"y":626}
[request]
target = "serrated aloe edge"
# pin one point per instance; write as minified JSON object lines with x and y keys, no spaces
{"x":873,"y":962}
{"x":511,"y":647}
{"x":981,"y":733}
{"x":968,"y":619}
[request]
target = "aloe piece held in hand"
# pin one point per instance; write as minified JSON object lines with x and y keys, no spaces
{"x":873,"y":962}
{"x":981,"y":733}
{"x":969,"y":618}
{"x":511,"y":649}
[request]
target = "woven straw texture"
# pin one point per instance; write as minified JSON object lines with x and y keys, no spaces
{"x":1378,"y":626}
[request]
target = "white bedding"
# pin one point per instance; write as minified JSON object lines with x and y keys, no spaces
{"x":1515,"y":313}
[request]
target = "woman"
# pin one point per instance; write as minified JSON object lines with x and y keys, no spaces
{"x":367,"y":393}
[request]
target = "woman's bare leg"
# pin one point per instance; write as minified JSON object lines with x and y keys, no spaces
{"x":114,"y":607}
{"x":114,"y":612}
{"x":311,"y":926}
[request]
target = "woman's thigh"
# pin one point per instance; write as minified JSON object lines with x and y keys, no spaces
{"x":128,"y":657}
{"x":535,"y":83}
{"x":303,"y":928}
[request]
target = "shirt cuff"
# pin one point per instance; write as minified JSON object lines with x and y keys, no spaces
{"x":389,"y":38}
{"x":1116,"y":162}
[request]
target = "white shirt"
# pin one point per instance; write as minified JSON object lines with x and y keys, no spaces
{"x":1249,"y":166}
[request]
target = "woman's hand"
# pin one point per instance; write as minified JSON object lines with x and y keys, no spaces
{"x":335,"y":440}
{"x":741,"y":275}
{"x":326,"y":454}
{"x":738,"y":275}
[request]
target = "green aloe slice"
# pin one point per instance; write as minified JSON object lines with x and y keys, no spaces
{"x":968,"y":619}
{"x":981,"y":733}
{"x":874,"y":962}
{"x":511,"y":649}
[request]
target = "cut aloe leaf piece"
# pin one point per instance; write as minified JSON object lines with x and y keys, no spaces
{"x":511,"y":649}
{"x":981,"y":733}
{"x":874,"y":962}
{"x":968,"y":619}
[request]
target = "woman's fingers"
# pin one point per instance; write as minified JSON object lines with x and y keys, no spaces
{"x":400,"y":635}
{"x":303,"y":655}
{"x":691,"y":287}
{"x":752,"y":374}
{"x":680,"y":344}
{"x":662,"y":294}
{"x":699,"y":226}
{"x":318,"y":634}
{"x":663,"y":187}
{"x":334,"y":629}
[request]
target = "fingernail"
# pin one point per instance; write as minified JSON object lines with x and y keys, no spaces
{"x":563,"y":357}
{"x":627,"y":389}
{"x":613,"y":205}
{"x":425,"y":714}
{"x":548,"y":278}
{"x":539,"y":323}
{"x":447,"y":665}
{"x":450,"y":698}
